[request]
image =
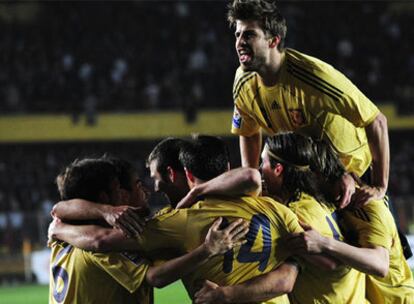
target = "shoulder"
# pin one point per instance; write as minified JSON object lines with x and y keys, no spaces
{"x":319,"y":74}
{"x":167,"y":214}
{"x":378,"y":210}
{"x":242,"y":81}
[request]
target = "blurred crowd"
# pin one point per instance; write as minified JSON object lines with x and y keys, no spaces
{"x":88,"y":57}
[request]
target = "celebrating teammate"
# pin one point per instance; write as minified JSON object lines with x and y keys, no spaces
{"x":286,"y":169}
{"x":375,"y":246}
{"x":278,"y":89}
{"x":181,"y":230}
{"x":80,"y":276}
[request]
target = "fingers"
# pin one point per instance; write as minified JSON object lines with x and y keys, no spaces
{"x":216,"y":225}
{"x":233,"y":225}
{"x":344,"y":200}
{"x":239,"y":234}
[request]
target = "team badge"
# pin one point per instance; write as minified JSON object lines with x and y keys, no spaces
{"x":236,"y":119}
{"x":297,"y":117}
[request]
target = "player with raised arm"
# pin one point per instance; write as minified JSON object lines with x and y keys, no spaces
{"x":280,"y":89}
{"x":127,"y":278}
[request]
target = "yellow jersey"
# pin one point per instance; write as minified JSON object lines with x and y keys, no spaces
{"x":311,"y":98}
{"x":82,"y":277}
{"x":183,"y":230}
{"x":315,"y":285}
{"x":374,"y":225}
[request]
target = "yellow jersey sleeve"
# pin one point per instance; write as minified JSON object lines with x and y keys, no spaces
{"x":168,"y":229}
{"x":243,"y":122}
{"x":127,"y":269}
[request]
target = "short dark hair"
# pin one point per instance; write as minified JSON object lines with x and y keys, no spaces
{"x":86,"y":179}
{"x":265,"y":12}
{"x":124,"y":169}
{"x":296,"y":153}
{"x":166,"y":154}
{"x":205,"y":156}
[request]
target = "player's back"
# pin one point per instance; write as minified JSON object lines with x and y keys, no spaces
{"x":316,"y":285}
{"x":78,"y":277}
{"x":185,"y":229}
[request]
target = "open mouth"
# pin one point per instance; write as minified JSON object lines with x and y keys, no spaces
{"x":245,"y":56}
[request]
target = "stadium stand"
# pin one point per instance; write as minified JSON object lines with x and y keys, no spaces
{"x":134,"y":56}
{"x":86,"y":58}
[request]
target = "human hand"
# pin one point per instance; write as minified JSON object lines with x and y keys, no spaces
{"x":344,"y":189}
{"x":218,"y":241}
{"x":308,"y":241}
{"x":210,"y":293}
{"x":51,"y":231}
{"x":365,"y":194}
{"x":125,"y":218}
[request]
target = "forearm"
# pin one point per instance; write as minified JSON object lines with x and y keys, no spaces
{"x":175,"y":269}
{"x":94,"y":238}
{"x":374,"y":261}
{"x":79,"y":209}
{"x":240,"y":181}
{"x":264,"y":287}
{"x":250,"y":148}
{"x":322,"y":261}
{"x":377,"y":134}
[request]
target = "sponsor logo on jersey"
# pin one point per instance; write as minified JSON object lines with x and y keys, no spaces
{"x":297,"y":117}
{"x":236,"y":119}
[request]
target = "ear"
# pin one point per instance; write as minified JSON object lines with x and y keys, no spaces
{"x":189,"y":175}
{"x":278,"y":170}
{"x":274,"y":42}
{"x":171,"y":174}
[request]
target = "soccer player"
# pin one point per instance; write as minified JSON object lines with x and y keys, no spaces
{"x":78,"y":276}
{"x":181,"y":230}
{"x":286,"y":169}
{"x":375,"y":246}
{"x":280,"y":89}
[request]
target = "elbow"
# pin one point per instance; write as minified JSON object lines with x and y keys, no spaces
{"x":55,"y":211}
{"x":252,"y":179}
{"x":154,"y":280}
{"x":287,"y":286}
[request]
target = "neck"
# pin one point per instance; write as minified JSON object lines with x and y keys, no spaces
{"x":282,"y":197}
{"x":269,"y":74}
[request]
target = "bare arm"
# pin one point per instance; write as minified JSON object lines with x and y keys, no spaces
{"x":125,"y":217}
{"x":373,"y":260}
{"x":240,"y":181}
{"x":91,"y":237}
{"x":377,"y":134}
{"x":250,"y":148}
{"x":264,"y":287}
{"x":217,"y":242}
{"x":79,"y":209}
